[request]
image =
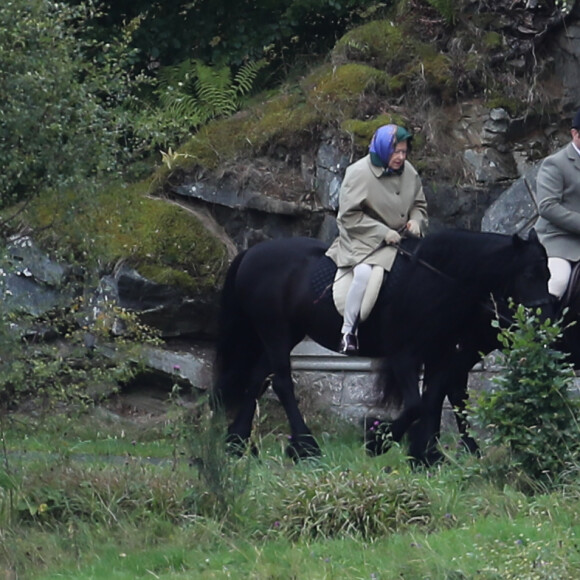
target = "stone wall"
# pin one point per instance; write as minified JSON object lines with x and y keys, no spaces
{"x":345,"y":385}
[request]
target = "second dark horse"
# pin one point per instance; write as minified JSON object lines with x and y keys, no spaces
{"x":436,"y":289}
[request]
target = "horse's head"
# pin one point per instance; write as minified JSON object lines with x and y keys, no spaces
{"x":530,"y":275}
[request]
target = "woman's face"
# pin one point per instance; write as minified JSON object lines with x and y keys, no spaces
{"x":398,"y":157}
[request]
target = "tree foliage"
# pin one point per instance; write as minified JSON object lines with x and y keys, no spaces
{"x":228,"y":32}
{"x":58,"y":127}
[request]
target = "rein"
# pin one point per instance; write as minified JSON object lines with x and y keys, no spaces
{"x":490,"y":304}
{"x":489,"y":307}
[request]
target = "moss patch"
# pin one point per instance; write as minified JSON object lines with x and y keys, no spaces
{"x":362,"y":131}
{"x":381,"y":44}
{"x":166,"y":243}
{"x":336,"y":91}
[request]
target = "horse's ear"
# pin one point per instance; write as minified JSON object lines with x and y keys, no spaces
{"x":533,"y":236}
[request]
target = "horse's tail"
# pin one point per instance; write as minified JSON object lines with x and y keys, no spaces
{"x":389,"y":388}
{"x":236,"y":338}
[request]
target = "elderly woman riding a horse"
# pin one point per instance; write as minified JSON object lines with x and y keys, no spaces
{"x":380,"y":197}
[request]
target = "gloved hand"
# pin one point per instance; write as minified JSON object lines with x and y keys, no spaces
{"x":392,"y":237}
{"x":413,"y":228}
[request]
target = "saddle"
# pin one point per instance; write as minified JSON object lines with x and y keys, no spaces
{"x":342,"y":282}
{"x":325,"y":273}
{"x":571,"y":298}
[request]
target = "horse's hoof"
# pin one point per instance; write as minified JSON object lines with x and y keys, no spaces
{"x":376,"y":448}
{"x":469,"y":445}
{"x":237,"y":445}
{"x":427,"y":459}
{"x":303,"y":447}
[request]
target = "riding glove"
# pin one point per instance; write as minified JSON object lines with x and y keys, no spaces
{"x":413,"y":228}
{"x":392,"y":237}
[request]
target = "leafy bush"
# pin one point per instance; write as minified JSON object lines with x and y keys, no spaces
{"x":60,"y":120}
{"x":531,"y":412}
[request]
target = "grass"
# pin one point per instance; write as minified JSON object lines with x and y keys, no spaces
{"x":202,"y":515}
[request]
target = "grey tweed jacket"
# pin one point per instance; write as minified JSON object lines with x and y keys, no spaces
{"x":558,"y":197}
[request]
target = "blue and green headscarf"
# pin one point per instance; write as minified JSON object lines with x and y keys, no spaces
{"x":383,"y":144}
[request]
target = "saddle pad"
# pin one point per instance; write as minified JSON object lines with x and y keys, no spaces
{"x":342,"y":281}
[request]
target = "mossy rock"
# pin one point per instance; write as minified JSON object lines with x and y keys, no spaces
{"x":177,"y":249}
{"x":165,"y":242}
{"x":337,"y":91}
{"x":279,"y":120}
{"x":435,"y":68}
{"x":362,"y":131}
{"x":380,"y":43}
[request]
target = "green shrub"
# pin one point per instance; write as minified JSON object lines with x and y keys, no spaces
{"x":327,"y":504}
{"x":530,"y":411}
{"x":61,"y":113}
{"x":186,"y":97}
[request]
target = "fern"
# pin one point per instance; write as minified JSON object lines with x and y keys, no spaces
{"x":193,"y":92}
{"x":246,"y":76}
{"x":215,"y":90}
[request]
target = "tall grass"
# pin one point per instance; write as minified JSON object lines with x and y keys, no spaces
{"x":201,"y":514}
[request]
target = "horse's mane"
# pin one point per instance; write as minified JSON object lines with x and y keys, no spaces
{"x":457,"y":269}
{"x":462,"y":252}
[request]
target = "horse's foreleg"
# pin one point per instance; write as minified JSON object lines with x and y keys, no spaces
{"x":455,"y":385}
{"x":458,"y":396}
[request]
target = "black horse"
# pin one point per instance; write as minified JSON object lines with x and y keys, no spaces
{"x":445,"y":375}
{"x":448,"y":377}
{"x":275,"y":295}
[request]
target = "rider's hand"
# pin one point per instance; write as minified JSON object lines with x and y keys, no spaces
{"x":413,"y":228}
{"x":392,"y":237}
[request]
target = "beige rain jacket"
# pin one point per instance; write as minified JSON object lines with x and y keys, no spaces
{"x":369,"y":205}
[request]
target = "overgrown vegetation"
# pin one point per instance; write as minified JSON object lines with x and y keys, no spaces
{"x":47,"y":374}
{"x":347,"y":515}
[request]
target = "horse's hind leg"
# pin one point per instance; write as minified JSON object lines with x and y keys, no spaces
{"x":302,"y":443}
{"x":240,"y":430}
{"x":424,"y":433}
{"x":448,"y":377}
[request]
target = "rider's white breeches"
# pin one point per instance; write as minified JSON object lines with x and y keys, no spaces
{"x":355,"y":295}
{"x":560,"y":270}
